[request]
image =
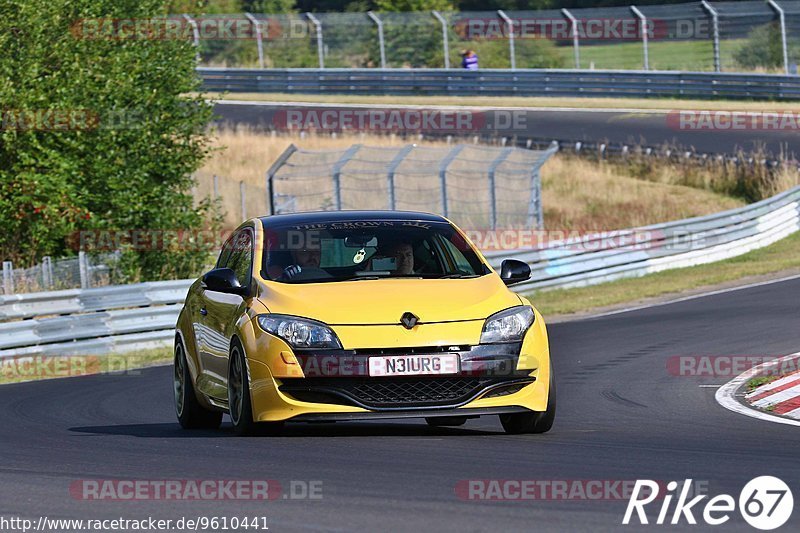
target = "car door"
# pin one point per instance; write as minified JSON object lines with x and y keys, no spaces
{"x":219,"y":313}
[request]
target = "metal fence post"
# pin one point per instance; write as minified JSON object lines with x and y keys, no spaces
{"x":535,"y":207}
{"x":715,"y":29}
{"x":337,"y":174}
{"x":320,"y":44}
{"x":575,"y":36}
{"x":216,"y":186}
{"x":47,"y":272}
{"x":445,"y":38}
{"x":504,"y":153}
{"x":259,"y":43}
{"x":83,"y":270}
{"x":511,"y":52}
{"x":195,"y":35}
{"x":404,"y":151}
{"x":8,"y":277}
{"x":782,"y":16}
{"x":243,"y":205}
{"x":272,"y":170}
{"x":445,"y":163}
{"x":645,"y":36}
{"x":381,"y":41}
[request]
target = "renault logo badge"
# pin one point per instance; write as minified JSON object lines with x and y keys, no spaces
{"x":409,"y":320}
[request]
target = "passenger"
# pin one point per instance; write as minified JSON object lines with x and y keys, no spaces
{"x":403,"y":254}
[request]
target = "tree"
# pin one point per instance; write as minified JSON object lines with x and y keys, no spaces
{"x":97,"y":131}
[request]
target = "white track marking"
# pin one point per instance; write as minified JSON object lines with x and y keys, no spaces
{"x":778,"y":397}
{"x":726,"y":395}
{"x":773,"y":385}
{"x":794,"y":414}
{"x":685,"y":298}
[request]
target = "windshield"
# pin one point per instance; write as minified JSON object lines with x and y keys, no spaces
{"x":364,"y":249}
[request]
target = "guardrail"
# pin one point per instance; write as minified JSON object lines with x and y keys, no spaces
{"x":544,"y":82}
{"x":103,"y":320}
{"x":599,"y":258}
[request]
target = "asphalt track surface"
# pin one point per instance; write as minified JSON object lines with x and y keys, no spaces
{"x":632,"y":127}
{"x":621,"y":416}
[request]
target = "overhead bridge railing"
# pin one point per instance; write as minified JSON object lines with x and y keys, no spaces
{"x":121,"y":318}
{"x":539,"y":82}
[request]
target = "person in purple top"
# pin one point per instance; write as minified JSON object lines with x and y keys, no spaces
{"x":470,"y":60}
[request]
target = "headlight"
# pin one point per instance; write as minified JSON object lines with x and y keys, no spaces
{"x":299,"y":332}
{"x":507,"y":326}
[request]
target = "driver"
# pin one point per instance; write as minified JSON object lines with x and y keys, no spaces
{"x":306,"y":264}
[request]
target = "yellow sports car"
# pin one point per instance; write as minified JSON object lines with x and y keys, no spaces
{"x":359,"y":315}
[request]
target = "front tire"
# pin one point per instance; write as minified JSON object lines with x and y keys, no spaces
{"x":240,"y":406}
{"x":534,"y":421}
{"x":191,"y":414}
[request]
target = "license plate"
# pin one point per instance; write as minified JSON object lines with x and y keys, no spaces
{"x":413,"y":365}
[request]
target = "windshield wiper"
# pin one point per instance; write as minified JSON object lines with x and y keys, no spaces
{"x":458,"y":276}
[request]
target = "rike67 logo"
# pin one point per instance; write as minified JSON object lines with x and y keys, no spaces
{"x":765,"y":503}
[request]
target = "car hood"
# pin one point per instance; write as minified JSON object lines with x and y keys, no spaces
{"x":384,"y":301}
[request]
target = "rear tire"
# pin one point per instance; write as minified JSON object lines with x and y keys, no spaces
{"x":191,"y":414}
{"x":446,"y":421}
{"x":240,"y":406}
{"x":534,"y":421}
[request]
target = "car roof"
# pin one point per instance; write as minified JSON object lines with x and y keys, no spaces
{"x":316,"y":217}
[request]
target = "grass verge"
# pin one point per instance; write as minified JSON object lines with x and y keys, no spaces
{"x":782,"y":256}
{"x":660,"y":104}
{"x":755,"y":383}
{"x":38,"y":367}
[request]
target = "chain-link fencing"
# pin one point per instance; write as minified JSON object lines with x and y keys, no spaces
{"x":747,"y":36}
{"x":81,"y":271}
{"x":475,"y":186}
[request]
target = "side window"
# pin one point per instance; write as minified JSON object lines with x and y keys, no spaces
{"x":462,"y":263}
{"x":240,"y":259}
{"x":225,"y":254}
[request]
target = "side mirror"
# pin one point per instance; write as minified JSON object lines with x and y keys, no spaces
{"x":513,"y":271}
{"x":224,"y":280}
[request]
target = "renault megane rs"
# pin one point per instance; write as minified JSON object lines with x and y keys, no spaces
{"x":359,"y":315}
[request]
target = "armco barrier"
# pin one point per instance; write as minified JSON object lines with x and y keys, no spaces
{"x":538,"y":82}
{"x":104,"y":320}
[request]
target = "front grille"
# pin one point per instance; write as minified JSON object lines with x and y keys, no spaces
{"x":390,"y":392}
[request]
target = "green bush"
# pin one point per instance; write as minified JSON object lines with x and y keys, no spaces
{"x":129,"y":165}
{"x":763,"y":49}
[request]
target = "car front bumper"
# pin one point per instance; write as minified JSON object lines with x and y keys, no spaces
{"x":335,"y":385}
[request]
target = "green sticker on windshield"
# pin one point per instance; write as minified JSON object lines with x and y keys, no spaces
{"x":360,"y":255}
